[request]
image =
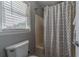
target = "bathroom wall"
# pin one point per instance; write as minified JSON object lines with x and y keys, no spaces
{"x":15,"y":37}
{"x":34,"y":5}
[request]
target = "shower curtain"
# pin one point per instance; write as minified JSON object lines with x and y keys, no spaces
{"x":58,"y":29}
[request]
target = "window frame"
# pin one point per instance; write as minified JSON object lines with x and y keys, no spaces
{"x":14,"y":30}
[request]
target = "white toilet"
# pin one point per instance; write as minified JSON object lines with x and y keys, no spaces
{"x":18,"y":50}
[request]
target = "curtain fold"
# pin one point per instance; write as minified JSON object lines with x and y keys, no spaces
{"x":57,"y":29}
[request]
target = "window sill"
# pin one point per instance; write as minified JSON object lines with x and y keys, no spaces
{"x":16,"y":31}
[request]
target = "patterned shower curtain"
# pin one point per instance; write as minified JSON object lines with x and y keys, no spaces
{"x":58,"y":29}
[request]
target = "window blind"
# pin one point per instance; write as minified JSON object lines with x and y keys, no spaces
{"x":14,"y":15}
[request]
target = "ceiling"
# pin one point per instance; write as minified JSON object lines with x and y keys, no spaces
{"x":45,"y":3}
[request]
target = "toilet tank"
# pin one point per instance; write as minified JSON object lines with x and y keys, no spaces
{"x":18,"y":50}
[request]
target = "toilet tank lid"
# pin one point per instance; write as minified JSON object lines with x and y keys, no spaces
{"x":17,"y":45}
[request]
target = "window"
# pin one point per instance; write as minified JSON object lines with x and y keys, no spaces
{"x":14,"y":15}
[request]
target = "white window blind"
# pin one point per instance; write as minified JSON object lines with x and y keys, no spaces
{"x":14,"y":15}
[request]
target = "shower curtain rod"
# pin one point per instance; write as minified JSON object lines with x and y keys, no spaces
{"x":49,"y":5}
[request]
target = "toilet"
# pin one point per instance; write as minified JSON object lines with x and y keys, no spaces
{"x":18,"y":50}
